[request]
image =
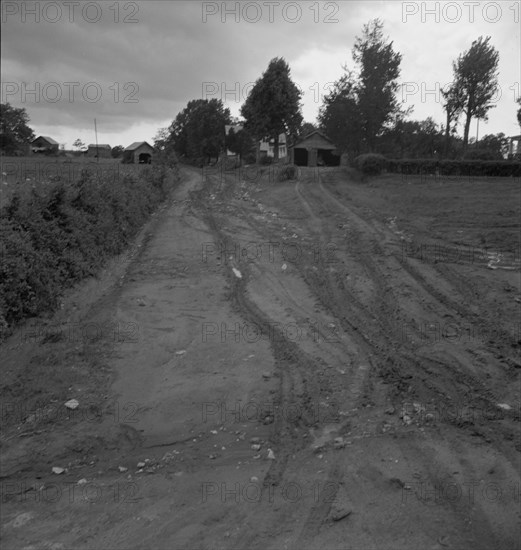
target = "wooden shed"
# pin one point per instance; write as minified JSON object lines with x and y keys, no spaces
{"x":45,"y":145}
{"x":315,"y":149}
{"x":139,"y":152}
{"x":102,"y":151}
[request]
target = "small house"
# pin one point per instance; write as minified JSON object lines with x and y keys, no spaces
{"x":267,"y":147}
{"x":102,"y":151}
{"x":44,"y":145}
{"x":514,"y":151}
{"x":139,"y":152}
{"x":314,"y":149}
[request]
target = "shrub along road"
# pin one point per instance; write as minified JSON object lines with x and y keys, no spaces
{"x":266,"y":368}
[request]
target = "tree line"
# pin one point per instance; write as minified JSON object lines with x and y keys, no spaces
{"x":361,"y":113}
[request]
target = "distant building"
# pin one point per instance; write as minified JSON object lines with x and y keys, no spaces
{"x":315,"y":149}
{"x":139,"y":152}
{"x":44,"y":145}
{"x":514,"y":151}
{"x":102,"y":151}
{"x":267,"y":147}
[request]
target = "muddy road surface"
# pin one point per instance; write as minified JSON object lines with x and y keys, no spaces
{"x":278,"y":365}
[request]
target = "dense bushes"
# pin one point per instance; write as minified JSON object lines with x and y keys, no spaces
{"x":482,"y":154}
{"x":370,"y":164}
{"x":374,"y":164}
{"x":54,"y":235}
{"x":491,"y":168}
{"x":288,"y":172}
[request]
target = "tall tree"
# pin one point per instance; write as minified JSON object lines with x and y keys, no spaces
{"x":377,"y":84}
{"x":241,"y":143}
{"x":339,"y":116}
{"x":79,"y":145}
{"x":273,"y":105}
{"x":476,"y":74}
{"x":198,"y":130}
{"x":519,"y":111}
{"x":15,"y":131}
{"x":453,"y":105}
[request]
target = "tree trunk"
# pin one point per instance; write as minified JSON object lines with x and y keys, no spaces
{"x":447,"y":136}
{"x":468,"y":112}
{"x":466,"y":134}
{"x":257,"y":149}
{"x":276,"y":149}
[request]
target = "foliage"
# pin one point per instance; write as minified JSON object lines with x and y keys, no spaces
{"x":273,"y":105}
{"x":265,"y":160}
{"x":307,"y":128}
{"x":198,"y":130}
{"x":339,"y":116}
{"x":475,"y":74}
{"x":53,"y":236}
{"x":241,"y":143}
{"x":15,"y":133}
{"x":411,"y":139}
{"x":359,"y":108}
{"x":492,"y":168}
{"x":453,"y":106}
{"x":117,"y":151}
{"x":377,"y":84}
{"x":482,"y":154}
{"x":370,"y":164}
{"x":79,"y":145}
{"x":288,"y":172}
{"x":497,"y":144}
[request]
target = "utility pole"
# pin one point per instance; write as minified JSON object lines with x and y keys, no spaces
{"x":96,"y":132}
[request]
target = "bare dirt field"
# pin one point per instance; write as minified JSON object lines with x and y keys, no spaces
{"x":315,"y":364}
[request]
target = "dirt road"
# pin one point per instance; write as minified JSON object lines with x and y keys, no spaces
{"x":267,"y":368}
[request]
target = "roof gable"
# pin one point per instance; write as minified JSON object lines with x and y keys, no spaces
{"x":316,"y":139}
{"x":137,"y":145}
{"x":47,"y":139}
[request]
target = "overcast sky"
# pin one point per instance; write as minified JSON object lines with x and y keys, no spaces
{"x":134,"y":65}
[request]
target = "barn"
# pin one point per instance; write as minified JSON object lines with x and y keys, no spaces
{"x":139,"y":152}
{"x":102,"y":151}
{"x":315,"y":149}
{"x":44,"y":145}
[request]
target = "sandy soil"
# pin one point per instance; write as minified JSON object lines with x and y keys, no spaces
{"x":293,"y":365}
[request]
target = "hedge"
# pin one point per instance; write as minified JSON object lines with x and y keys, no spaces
{"x":55,"y":235}
{"x":491,"y":168}
{"x":370,"y":164}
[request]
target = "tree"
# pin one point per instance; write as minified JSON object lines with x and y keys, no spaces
{"x":79,"y":145}
{"x":454,"y":100}
{"x":15,"y":131}
{"x":198,"y":130}
{"x":496,"y":145}
{"x":307,"y":128}
{"x":476,"y":79}
{"x":411,"y":139}
{"x":377,"y":83}
{"x":241,"y":143}
{"x":339,"y":116}
{"x":273,"y":105}
{"x":164,"y":146}
{"x":519,"y":111}
{"x":117,"y":151}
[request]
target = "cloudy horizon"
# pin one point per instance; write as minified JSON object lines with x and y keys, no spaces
{"x":133,"y":66}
